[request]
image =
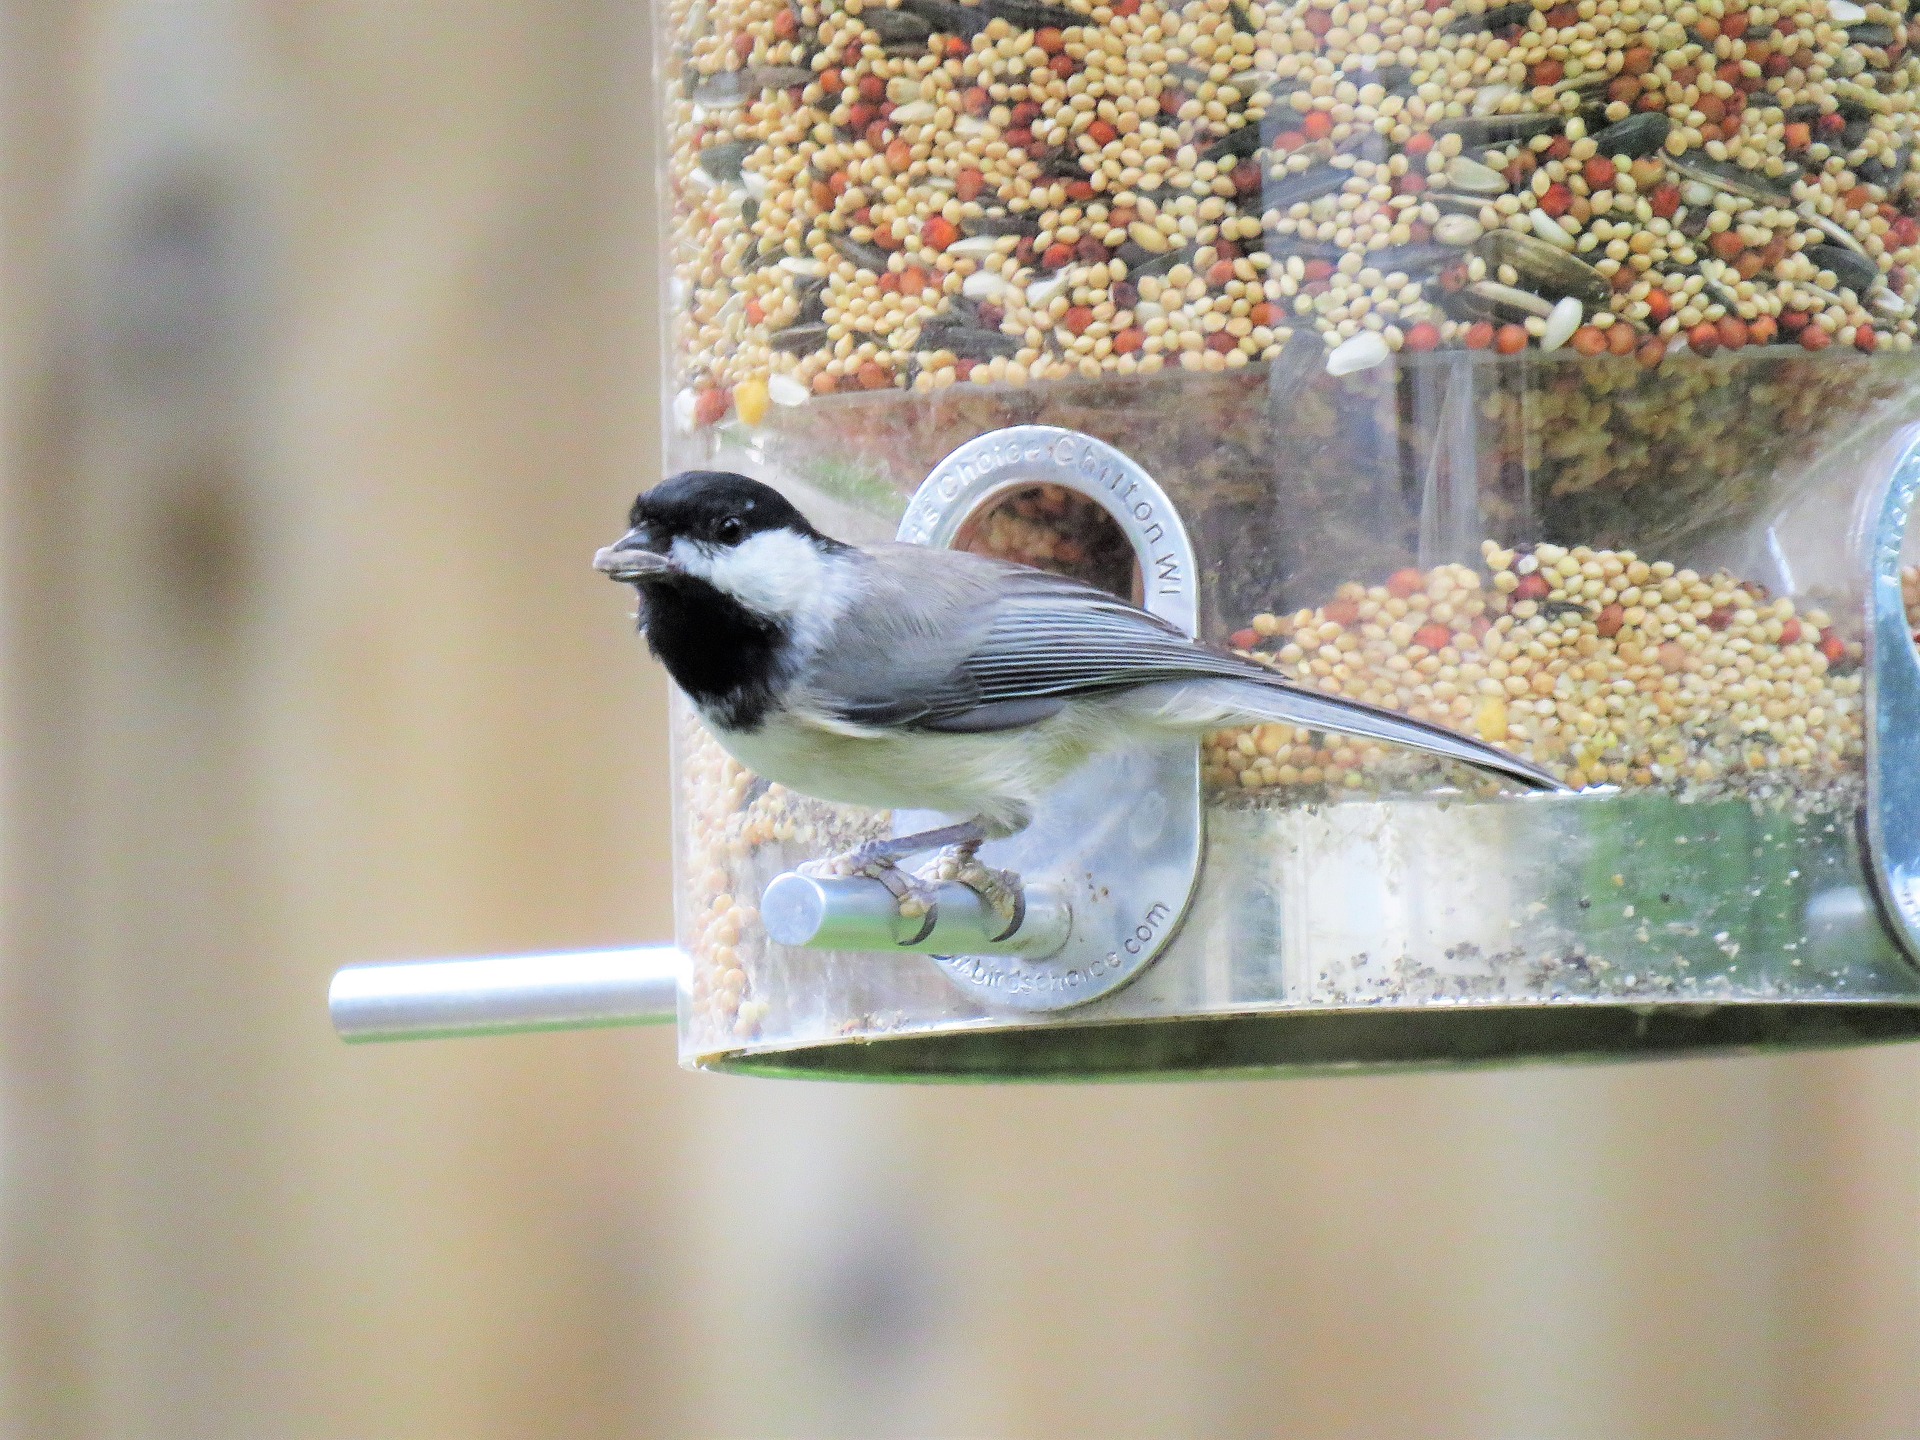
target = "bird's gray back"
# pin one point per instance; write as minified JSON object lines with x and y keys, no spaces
{"x":944,"y":639}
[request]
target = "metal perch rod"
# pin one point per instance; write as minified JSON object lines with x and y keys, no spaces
{"x":860,"y":914}
{"x":427,"y":999}
{"x":424,"y":999}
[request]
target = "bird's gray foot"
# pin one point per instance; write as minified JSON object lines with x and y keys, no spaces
{"x":1001,"y":889}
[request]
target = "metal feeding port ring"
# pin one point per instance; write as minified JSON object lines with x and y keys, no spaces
{"x":1893,"y":709}
{"x":1110,"y":860}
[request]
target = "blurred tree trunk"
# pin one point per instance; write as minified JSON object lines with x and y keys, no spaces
{"x":329,"y":397}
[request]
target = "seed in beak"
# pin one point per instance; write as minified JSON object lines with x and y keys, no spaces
{"x":629,"y":564}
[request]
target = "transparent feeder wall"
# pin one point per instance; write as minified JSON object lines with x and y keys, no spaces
{"x":1537,"y":370}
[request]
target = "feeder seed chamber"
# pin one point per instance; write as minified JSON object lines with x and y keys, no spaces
{"x":1544,"y":370}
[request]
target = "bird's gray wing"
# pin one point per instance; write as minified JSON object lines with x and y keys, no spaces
{"x":941,"y":640}
{"x":945,"y":640}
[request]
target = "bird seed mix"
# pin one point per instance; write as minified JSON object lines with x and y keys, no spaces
{"x":868,"y":197}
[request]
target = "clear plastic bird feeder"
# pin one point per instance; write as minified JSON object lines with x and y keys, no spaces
{"x":1542,"y":370}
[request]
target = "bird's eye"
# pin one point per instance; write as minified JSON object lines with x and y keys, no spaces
{"x":730,"y":530}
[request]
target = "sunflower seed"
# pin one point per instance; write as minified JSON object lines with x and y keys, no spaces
{"x":985,"y":285}
{"x":896,"y":26}
{"x":1888,"y":303}
{"x":812,"y":295}
{"x":866,"y":257}
{"x":1754,"y":185}
{"x":724,"y":160}
{"x":1362,"y":352}
{"x":948,"y":17}
{"x":1489,"y":98}
{"x":1000,"y":225}
{"x":1450,"y":202}
{"x":1474,"y":178}
{"x":1855,"y":272}
{"x":1501,"y":129}
{"x":785,"y":390}
{"x":1498,"y":18}
{"x":1303,"y":187}
{"x":1031,"y":15}
{"x":1871,"y":171}
{"x":735,"y":87}
{"x":1837,"y":233}
{"x":1490,"y":300}
{"x":1157,"y":264}
{"x":1410,"y":260}
{"x":1280,"y":246}
{"x":1042,"y":293}
{"x":1637,"y":136}
{"x":1548,"y":229}
{"x":968,"y":342}
{"x":1545,"y":268}
{"x":1565,"y":319}
{"x":1241,"y":142}
{"x":799,"y":339}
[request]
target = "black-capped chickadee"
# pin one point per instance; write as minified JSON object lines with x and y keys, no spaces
{"x":902,"y":677}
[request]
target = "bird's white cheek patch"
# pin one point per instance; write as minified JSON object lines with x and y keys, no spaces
{"x":777,"y":573}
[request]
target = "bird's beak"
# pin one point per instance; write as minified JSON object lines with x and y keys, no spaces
{"x":632,"y":559}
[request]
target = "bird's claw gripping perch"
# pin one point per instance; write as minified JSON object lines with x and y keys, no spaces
{"x":914,"y":894}
{"x":1001,"y":889}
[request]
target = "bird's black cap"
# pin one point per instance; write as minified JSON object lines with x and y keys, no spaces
{"x":716,"y":506}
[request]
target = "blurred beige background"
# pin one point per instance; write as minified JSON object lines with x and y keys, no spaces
{"x":327,"y":359}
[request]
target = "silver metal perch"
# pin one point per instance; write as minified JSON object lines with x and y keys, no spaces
{"x":424,"y":999}
{"x":854,"y":913}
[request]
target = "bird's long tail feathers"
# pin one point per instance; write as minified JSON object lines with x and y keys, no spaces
{"x":1221,"y":703}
